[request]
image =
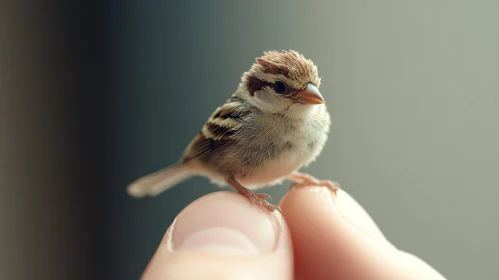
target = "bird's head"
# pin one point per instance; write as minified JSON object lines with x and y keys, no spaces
{"x":283,"y":82}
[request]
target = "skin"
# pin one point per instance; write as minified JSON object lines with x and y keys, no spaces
{"x":319,"y":236}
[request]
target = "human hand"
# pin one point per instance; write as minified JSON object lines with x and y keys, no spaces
{"x":223,"y":236}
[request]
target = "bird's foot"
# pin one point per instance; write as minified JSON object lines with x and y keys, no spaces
{"x":305,"y":180}
{"x":254,"y":198}
{"x":260,"y":199}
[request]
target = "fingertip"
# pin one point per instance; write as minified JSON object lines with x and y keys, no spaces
{"x":326,"y":243}
{"x":341,"y":207}
{"x":224,"y":229}
{"x":224,"y":214}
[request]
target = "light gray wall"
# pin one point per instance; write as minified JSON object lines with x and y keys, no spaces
{"x":412,"y":87}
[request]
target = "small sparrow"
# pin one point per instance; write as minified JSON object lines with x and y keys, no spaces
{"x":274,"y":124}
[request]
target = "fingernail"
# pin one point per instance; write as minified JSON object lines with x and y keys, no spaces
{"x":323,"y":194}
{"x":346,"y":208}
{"x":224,"y":223}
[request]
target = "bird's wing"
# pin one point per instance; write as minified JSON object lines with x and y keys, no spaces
{"x":218,"y":130}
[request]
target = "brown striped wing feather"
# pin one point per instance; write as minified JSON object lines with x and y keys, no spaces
{"x":218,"y":130}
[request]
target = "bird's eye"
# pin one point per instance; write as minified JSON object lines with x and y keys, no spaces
{"x":280,"y":87}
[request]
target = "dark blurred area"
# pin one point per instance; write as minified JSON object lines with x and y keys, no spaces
{"x":53,"y":95}
{"x":94,"y":94}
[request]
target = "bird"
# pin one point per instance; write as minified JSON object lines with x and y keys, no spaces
{"x":274,"y":124}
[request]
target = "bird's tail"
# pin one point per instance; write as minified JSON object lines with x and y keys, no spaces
{"x":159,"y":181}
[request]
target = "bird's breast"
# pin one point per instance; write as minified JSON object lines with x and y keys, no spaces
{"x":271,"y":171}
{"x":280,"y":147}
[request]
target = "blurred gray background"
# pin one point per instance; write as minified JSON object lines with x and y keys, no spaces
{"x":412,"y":88}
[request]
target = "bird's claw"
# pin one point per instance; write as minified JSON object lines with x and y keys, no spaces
{"x":263,"y":196}
{"x":260,"y":199}
{"x":313,"y":182}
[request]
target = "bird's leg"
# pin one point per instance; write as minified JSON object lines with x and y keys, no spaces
{"x":304,"y":180}
{"x":255,"y":198}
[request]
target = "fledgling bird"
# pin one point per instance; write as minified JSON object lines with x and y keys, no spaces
{"x":274,"y":124}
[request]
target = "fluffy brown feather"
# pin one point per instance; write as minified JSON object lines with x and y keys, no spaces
{"x":291,"y":66}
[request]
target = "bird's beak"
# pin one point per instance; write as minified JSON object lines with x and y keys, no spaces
{"x":309,"y":95}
